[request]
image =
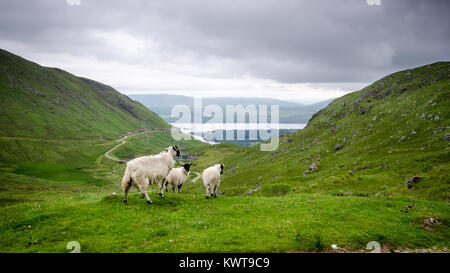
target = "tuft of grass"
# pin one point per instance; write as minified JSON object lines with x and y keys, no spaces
{"x":277,"y":189}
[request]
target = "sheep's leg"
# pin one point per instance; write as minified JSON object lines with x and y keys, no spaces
{"x":147,"y":198}
{"x":215,"y":191}
{"x":125,"y":192}
{"x":143,"y":195}
{"x":143,"y":189}
{"x":165,"y":185}
{"x":161,"y":189}
{"x":179,"y":187}
{"x":173,"y":188}
{"x":207,"y":192}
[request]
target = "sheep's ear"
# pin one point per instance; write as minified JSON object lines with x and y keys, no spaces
{"x":166,"y":149}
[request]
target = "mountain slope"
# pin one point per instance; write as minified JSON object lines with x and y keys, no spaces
{"x":365,"y":143}
{"x":57,"y":127}
{"x":42,"y":102}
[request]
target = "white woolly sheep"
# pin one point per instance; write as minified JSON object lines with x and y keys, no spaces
{"x":177,"y":177}
{"x":145,"y":170}
{"x":211,"y":179}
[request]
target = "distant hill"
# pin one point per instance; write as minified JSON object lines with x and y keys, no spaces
{"x":366,"y":143}
{"x":290,"y":112}
{"x":43,"y":102}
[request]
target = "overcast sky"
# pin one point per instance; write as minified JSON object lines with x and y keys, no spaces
{"x":293,"y":50}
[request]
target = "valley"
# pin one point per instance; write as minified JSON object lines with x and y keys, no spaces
{"x":341,"y":180}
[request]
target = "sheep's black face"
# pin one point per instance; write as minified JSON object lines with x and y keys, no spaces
{"x":187,"y":166}
{"x":175,"y":148}
{"x":221,"y":168}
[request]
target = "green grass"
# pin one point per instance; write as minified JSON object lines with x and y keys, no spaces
{"x":189,"y":223}
{"x":59,"y":172}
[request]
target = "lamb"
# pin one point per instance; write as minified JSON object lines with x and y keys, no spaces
{"x":211,"y":179}
{"x":145,"y":170}
{"x":178,"y":176}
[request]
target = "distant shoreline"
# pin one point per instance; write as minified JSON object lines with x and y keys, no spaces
{"x":194,"y":129}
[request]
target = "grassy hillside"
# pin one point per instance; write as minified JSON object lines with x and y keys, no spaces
{"x":42,"y":102}
{"x":55,"y":126}
{"x":152,"y":143}
{"x":398,"y":127}
{"x":393,"y":129}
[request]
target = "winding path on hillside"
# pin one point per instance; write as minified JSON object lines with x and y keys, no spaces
{"x":122,"y":141}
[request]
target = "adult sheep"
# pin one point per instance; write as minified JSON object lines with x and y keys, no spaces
{"x":211,"y":179}
{"x":178,"y":176}
{"x":145,"y":170}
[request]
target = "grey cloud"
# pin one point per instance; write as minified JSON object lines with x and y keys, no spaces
{"x":287,"y":41}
